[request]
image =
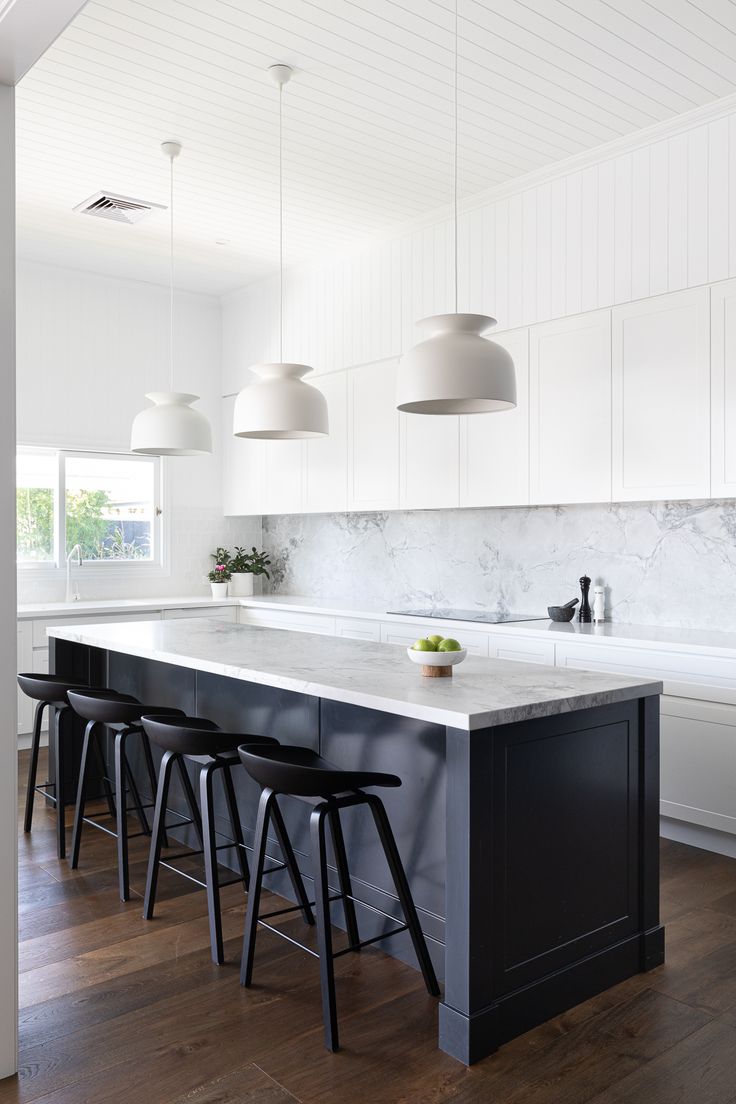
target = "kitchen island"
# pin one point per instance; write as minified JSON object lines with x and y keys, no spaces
{"x":527,"y":819}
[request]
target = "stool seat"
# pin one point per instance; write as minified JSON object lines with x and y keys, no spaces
{"x":301,"y":772}
{"x":109,"y":707}
{"x":196,"y":737}
{"x":203,"y":743}
{"x":49,"y":692}
{"x":52,"y":689}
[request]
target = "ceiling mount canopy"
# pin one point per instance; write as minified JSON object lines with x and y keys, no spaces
{"x":455,"y":369}
{"x":280,"y":406}
{"x":170,"y":427}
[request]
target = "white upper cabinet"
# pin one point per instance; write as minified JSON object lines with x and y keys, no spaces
{"x":570,"y":409}
{"x":429,"y":461}
{"x":326,"y":458}
{"x":723,"y":389}
{"x":661,"y":397}
{"x":373,"y":435}
{"x":283,"y":476}
{"x":494,"y":448}
{"x":242,"y":475}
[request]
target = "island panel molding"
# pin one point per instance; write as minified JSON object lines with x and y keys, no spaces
{"x":528,"y":908}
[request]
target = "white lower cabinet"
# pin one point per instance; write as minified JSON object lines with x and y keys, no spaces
{"x":698,"y":754}
{"x":526,"y":651}
{"x":358,"y":628}
{"x":286,"y":619}
{"x":218,"y":613}
{"x":396,"y":632}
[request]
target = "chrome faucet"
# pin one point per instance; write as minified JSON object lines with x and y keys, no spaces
{"x":76,"y":551}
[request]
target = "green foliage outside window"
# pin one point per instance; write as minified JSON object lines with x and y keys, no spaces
{"x":88,"y":524}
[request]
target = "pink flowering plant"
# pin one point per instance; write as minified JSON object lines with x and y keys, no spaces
{"x":220,"y":573}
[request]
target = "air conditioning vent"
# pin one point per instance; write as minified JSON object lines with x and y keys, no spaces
{"x":117,"y":208}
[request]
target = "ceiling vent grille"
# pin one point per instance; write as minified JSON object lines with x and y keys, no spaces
{"x":117,"y":208}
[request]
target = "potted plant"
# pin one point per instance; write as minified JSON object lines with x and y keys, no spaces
{"x":220,"y":574}
{"x":243,"y":566}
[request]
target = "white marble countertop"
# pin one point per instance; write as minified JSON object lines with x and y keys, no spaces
{"x":37,"y":610}
{"x":675,"y":639}
{"x":482,"y":692}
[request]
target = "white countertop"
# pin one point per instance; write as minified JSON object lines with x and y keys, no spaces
{"x":482,"y":692}
{"x":38,"y":610}
{"x":675,"y":639}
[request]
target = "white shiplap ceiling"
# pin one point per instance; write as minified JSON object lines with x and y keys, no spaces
{"x":367,"y":117}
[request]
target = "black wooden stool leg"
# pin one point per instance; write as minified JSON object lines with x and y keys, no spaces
{"x":33,"y":765}
{"x":89,"y":740}
{"x":291,"y":864}
{"x":235,"y":825}
{"x":102,"y":768}
{"x":157,"y":837}
{"x":137,"y":803}
{"x":324,"y":931}
{"x":265,"y":805}
{"x":148,"y":756}
{"x":343,"y":873}
{"x":207,"y":805}
{"x":404,"y":893}
{"x":58,"y":738}
{"x":191,"y":800}
{"x":122,"y":813}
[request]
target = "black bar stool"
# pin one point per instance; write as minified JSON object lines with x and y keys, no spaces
{"x":48,"y":691}
{"x":302,"y":773}
{"x":201,"y":741}
{"x":120,"y":713}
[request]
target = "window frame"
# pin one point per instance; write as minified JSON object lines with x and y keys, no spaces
{"x":157,"y":565}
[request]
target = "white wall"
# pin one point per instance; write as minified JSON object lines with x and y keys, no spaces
{"x":650,"y":215}
{"x":89,"y":348}
{"x":8,"y":757}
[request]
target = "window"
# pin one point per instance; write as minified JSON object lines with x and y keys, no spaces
{"x":106,"y":504}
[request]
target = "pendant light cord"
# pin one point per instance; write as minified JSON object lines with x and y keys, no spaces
{"x":281,"y":226}
{"x":171,"y":271}
{"x":454,"y":157}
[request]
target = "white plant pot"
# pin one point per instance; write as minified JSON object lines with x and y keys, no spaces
{"x":241,"y":584}
{"x":219,"y":590}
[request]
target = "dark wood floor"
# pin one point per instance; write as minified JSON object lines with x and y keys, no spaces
{"x":116,"y":1009}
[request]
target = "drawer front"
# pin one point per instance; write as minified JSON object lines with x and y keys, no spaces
{"x":219,"y":613}
{"x":525,"y":651}
{"x":396,"y":632}
{"x":40,"y":639}
{"x":356,"y":628}
{"x":673,"y":668}
{"x":281,"y":619}
{"x":698,"y":757}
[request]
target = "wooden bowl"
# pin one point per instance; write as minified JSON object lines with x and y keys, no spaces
{"x":436,"y":664}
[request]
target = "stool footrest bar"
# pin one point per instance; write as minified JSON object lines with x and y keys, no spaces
{"x":367,"y":942}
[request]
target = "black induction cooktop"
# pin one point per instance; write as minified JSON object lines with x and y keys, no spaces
{"x":486,"y":617}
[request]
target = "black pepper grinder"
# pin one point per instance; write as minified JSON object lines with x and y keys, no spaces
{"x":586,"y":614}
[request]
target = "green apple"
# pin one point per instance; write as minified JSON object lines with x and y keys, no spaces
{"x":424,"y":645}
{"x":436,"y":640}
{"x":449,"y":645}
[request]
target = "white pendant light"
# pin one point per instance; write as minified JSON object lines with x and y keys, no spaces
{"x":455,"y":370}
{"x":280,"y":406}
{"x":171,"y":427}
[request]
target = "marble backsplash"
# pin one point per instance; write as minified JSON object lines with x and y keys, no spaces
{"x":664,"y":563}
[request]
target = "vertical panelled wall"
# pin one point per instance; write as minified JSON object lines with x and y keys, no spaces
{"x":651,"y":219}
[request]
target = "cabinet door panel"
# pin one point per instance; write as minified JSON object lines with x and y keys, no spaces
{"x":570,"y":409}
{"x":241,"y":468}
{"x":283,"y":474}
{"x":699,"y":762}
{"x":326,"y":458}
{"x":661,"y":398}
{"x":373,"y":422}
{"x":723,"y":384}
{"x":494,"y":448}
{"x":429,"y":461}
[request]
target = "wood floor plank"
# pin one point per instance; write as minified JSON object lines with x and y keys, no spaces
{"x":248,"y":1085}
{"x":699,"y":1070}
